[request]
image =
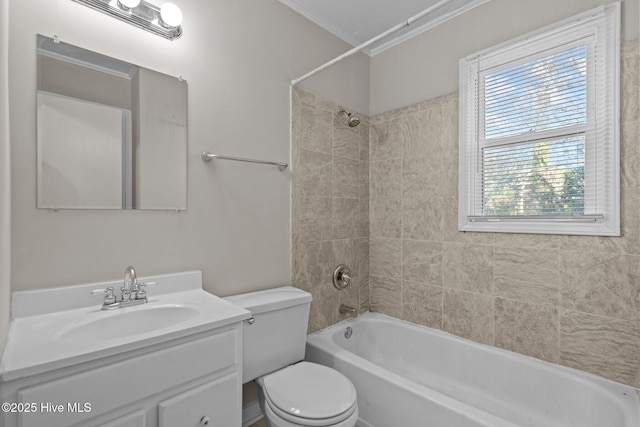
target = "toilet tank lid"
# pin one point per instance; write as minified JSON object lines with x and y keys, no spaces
{"x":270,"y":299}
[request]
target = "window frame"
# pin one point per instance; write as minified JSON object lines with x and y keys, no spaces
{"x":602,"y":26}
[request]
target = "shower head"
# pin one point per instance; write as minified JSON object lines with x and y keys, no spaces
{"x":352,"y":121}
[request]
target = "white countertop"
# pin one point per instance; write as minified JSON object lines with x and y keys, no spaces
{"x":37,"y":342}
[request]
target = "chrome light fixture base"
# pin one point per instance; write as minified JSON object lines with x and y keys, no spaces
{"x":145,"y":16}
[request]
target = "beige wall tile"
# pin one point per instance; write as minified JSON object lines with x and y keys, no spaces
{"x":315,"y":129}
{"x":362,"y":258}
{"x":346,"y":140}
{"x":364,"y":180}
{"x":324,"y":158}
{"x":313,"y":217}
{"x":630,"y":49}
{"x":448,"y":182}
{"x":422,"y":218}
{"x":529,"y":329}
{"x":324,"y":307}
{"x":385,"y":295}
{"x":300,"y":97}
{"x":467,"y":267}
{"x":628,"y":242}
{"x":343,"y":252}
{"x":450,"y":232}
{"x":345,"y":219}
{"x":602,"y":284}
{"x":386,"y":179}
{"x":362,"y":269}
{"x":422,"y":304}
{"x":422,"y":132}
{"x":422,"y":197}
{"x":350,"y":296}
{"x":313,"y":176}
{"x":386,"y":138}
{"x":364,"y":141}
{"x":385,"y":257}
{"x":468,"y":315}
{"x":384,"y":218}
{"x":422,"y":262}
{"x":629,"y":87}
{"x":346,"y":177}
{"x":310,"y":266}
{"x":365,"y":302}
{"x":514,"y":240}
{"x":450,"y":122}
{"x":400,"y":112}
{"x":629,"y":154}
{"x":530,"y":275}
{"x":600,"y":345}
{"x":363,"y":223}
{"x":423,"y":176}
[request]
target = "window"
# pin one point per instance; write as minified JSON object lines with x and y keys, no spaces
{"x":539,"y":138}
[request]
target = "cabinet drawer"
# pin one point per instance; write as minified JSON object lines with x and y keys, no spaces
{"x":215,"y":404}
{"x":135,"y":419}
{"x":117,"y":385}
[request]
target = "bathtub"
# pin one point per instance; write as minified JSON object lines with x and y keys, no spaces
{"x":411,"y":376}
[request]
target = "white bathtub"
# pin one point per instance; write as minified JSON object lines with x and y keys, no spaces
{"x":411,"y":376}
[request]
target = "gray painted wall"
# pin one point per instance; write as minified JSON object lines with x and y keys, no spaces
{"x":238,"y":57}
{"x":5,"y":226}
{"x":427,"y":65}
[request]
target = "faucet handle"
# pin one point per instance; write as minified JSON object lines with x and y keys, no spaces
{"x":147,"y":283}
{"x":142,"y":293}
{"x":109,"y":298}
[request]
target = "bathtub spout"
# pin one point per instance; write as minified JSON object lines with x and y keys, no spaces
{"x":347,"y":309}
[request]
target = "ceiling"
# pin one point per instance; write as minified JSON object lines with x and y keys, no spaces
{"x":357,"y":21}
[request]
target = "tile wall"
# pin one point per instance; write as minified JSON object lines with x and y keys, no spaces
{"x":382,"y":198}
{"x":573,"y":300}
{"x":330,"y":206}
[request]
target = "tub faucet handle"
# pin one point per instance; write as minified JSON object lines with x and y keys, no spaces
{"x":341,"y":277}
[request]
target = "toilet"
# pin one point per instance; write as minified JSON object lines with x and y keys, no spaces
{"x":292,"y":392}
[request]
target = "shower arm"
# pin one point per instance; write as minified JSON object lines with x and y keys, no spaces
{"x":368,"y":43}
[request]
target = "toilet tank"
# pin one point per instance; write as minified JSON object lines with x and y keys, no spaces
{"x":276,"y":337}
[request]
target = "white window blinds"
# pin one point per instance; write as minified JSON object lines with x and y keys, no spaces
{"x":539,"y":139}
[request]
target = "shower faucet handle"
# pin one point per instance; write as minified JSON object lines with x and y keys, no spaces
{"x":341,"y":277}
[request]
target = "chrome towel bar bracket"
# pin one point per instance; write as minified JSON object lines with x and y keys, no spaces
{"x":208,"y":156}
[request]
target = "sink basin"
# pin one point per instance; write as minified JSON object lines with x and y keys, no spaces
{"x":128,"y":322}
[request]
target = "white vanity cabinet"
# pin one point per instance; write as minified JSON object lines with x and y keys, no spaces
{"x":189,"y":381}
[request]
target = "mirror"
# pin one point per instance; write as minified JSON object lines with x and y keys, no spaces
{"x":110,"y":135}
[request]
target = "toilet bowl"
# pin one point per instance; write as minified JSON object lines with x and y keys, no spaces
{"x":292,"y":392}
{"x":308,"y":394}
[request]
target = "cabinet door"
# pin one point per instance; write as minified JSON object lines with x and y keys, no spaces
{"x":135,"y":419}
{"x":215,"y":404}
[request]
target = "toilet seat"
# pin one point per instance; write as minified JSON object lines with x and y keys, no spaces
{"x":309,"y":394}
{"x":277,"y":421}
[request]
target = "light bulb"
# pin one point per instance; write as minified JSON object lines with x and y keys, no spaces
{"x":128,"y":4}
{"x":170,"y":16}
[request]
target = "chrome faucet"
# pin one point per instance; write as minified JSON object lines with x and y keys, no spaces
{"x":347,"y":309}
{"x":130,"y":286}
{"x":132,"y":292}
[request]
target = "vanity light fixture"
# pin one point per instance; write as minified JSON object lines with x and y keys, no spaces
{"x":128,"y":4}
{"x":170,"y":16}
{"x":162,"y":21}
